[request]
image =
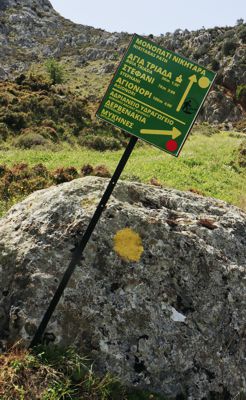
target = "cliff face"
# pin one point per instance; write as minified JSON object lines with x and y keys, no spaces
{"x":32,"y":30}
{"x":44,"y":4}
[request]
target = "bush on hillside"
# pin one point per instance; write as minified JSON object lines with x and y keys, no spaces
{"x":55,"y":117}
{"x":242,"y":34}
{"x":229,"y":47}
{"x":215,"y":65}
{"x":3,"y":170}
{"x":100,"y":143}
{"x":242,"y":154}
{"x":241,"y":95}
{"x":229,"y":34}
{"x":40,"y":170}
{"x":20,"y":79}
{"x":37,"y":81}
{"x":36,"y":136}
{"x":201,"y":51}
{"x":4,"y":100}
{"x":29,"y":140}
{"x":49,"y":123}
{"x":102,"y":171}
{"x":20,"y":181}
{"x":55,"y":71}
{"x":240,"y":21}
{"x":87,"y":169}
{"x":4,"y":132}
{"x":15,"y":120}
{"x":61,"y":175}
{"x":240,"y":126}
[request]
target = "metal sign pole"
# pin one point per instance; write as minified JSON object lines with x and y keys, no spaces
{"x":82,"y":244}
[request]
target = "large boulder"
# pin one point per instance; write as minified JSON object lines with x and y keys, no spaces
{"x":159,"y":297}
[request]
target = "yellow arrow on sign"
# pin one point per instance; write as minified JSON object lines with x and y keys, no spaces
{"x":174,"y":132}
{"x":193,"y":79}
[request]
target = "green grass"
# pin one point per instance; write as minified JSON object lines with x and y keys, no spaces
{"x":54,"y":373}
{"x":207,"y":164}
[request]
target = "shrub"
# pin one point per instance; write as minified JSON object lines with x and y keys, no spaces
{"x":45,"y":131}
{"x":219,"y":78}
{"x":102,"y":170}
{"x":8,"y":177}
{"x":242,"y":154}
{"x":72,"y":172}
{"x":241,"y":93}
{"x":74,"y":110}
{"x":87,"y":169}
{"x":3,"y":170}
{"x":16,"y":120}
{"x":20,"y":171}
{"x":196,"y":191}
{"x":37,"y":81}
{"x":61,"y":175}
{"x":37,"y":183}
{"x":55,"y":71}
{"x":201,"y":51}
{"x":242,"y":34}
{"x":229,"y":34}
{"x":49,"y":123}
{"x":215,"y":65}
{"x":34,"y":80}
{"x":22,"y":187}
{"x":3,"y":131}
{"x":46,"y":110}
{"x":240,"y":125}
{"x":100,"y":143}
{"x":240,"y":21}
{"x":60,"y":130}
{"x":4,"y":100}
{"x":48,"y":133}
{"x":229,"y":47}
{"x":20,"y":79}
{"x":29,"y":140}
{"x":40,"y":170}
{"x":20,"y":181}
{"x":155,"y":182}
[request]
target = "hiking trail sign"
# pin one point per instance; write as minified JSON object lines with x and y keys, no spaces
{"x":156,"y":95}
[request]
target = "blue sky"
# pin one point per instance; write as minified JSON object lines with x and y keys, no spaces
{"x":152,"y":16}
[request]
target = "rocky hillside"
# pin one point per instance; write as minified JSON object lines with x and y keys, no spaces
{"x":31,"y":31}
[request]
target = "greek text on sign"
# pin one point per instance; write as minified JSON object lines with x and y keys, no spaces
{"x":156,"y":95}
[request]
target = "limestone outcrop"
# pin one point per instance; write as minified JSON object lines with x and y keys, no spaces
{"x":31,"y":31}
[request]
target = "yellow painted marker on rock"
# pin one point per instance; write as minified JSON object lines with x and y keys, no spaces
{"x":174,"y":132}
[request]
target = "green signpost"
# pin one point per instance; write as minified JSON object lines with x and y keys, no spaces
{"x":156,"y":95}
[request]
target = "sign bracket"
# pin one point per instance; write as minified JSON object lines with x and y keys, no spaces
{"x":37,"y":339}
